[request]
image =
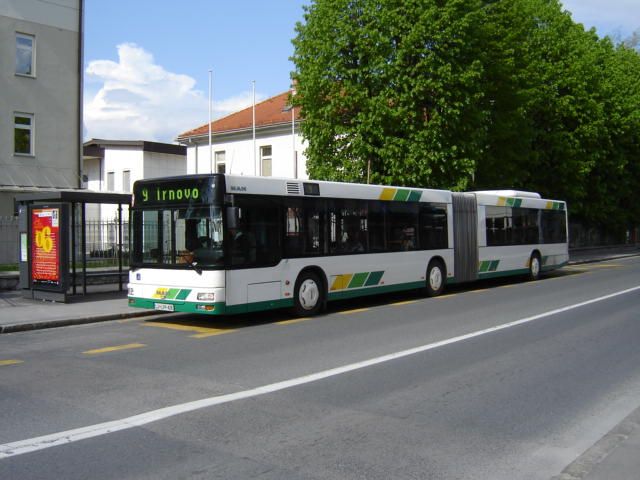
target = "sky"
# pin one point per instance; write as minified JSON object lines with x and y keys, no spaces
{"x":147,"y":62}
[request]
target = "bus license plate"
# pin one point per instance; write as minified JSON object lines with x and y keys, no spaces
{"x":165,"y":307}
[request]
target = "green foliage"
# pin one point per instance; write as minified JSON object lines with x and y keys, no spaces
{"x":391,"y":87}
{"x":468,"y":94}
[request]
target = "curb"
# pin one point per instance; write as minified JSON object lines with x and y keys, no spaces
{"x":602,"y":449}
{"x":25,"y":327}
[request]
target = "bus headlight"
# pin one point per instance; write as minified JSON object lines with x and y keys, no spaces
{"x":206,"y":296}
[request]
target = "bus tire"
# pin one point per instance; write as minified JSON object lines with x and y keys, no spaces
{"x":308,"y":294}
{"x":436,"y":277}
{"x":535,"y":266}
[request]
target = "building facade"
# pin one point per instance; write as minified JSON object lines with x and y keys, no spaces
{"x":41,"y":99}
{"x":113,"y":166}
{"x":278,"y":149}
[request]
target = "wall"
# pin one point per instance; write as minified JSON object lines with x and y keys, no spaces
{"x":162,"y":165}
{"x":238,"y":148}
{"x":52,"y":96}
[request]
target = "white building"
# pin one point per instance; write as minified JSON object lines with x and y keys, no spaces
{"x":113,"y":166}
{"x":40,"y":97}
{"x":278,"y":149}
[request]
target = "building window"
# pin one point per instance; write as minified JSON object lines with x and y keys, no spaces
{"x":220,"y":158}
{"x":126,"y":181}
{"x":111,"y":177}
{"x":25,"y":54}
{"x":23,"y":133}
{"x":266,"y":160}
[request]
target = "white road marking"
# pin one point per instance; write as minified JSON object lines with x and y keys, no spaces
{"x":62,"y":438}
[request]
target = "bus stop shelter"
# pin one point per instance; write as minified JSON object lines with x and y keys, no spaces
{"x":54,"y":248}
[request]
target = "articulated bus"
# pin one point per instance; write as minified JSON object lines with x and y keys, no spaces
{"x":224,"y":244}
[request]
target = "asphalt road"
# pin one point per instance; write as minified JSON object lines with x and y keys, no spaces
{"x":404,"y":387}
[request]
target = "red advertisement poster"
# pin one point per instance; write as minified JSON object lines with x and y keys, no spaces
{"x":45,"y":246}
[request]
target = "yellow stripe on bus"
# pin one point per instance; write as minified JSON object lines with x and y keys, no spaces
{"x":387,"y":193}
{"x":342,"y":281}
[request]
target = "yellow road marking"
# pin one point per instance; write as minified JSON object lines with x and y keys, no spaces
{"x":605,"y":265}
{"x":212,"y":332}
{"x":114,"y":349}
{"x":4,"y":363}
{"x":355,"y":310}
{"x":589,"y":266}
{"x":406,"y":302}
{"x":293,"y":320}
{"x":175,"y":326}
{"x":200,"y":332}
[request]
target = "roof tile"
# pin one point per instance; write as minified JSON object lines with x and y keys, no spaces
{"x":272,"y":111}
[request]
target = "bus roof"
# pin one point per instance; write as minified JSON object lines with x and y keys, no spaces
{"x":324,"y":189}
{"x":288,"y":187}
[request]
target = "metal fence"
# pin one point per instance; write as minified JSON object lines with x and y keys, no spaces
{"x":101,"y":244}
{"x":8,"y":240}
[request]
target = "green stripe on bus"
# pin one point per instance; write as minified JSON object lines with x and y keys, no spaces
{"x":415,"y":196}
{"x":358,"y":280}
{"x":183,"y":294}
{"x":402,"y":195}
{"x":171,"y":294}
{"x":488,"y":266}
{"x":374,"y":278}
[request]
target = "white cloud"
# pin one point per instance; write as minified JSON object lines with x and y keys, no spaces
{"x":140,"y":100}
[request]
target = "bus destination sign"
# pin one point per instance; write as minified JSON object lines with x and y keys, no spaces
{"x":197,"y":191}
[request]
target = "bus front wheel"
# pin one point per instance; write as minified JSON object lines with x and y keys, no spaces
{"x":436,"y":276}
{"x":308,"y":294}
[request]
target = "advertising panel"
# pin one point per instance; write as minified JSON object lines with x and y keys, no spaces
{"x":45,"y":246}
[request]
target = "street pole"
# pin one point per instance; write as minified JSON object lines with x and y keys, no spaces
{"x":210,"y":143}
{"x":255,"y":165}
{"x":293,"y":139}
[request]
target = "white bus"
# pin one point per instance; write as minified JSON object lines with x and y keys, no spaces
{"x":224,"y":244}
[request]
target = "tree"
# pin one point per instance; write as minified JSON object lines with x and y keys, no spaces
{"x":390,"y":90}
{"x":476,"y":94}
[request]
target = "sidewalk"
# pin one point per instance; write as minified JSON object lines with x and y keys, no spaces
{"x":18,"y":314}
{"x":21,"y":314}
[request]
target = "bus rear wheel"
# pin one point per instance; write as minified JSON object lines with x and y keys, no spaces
{"x":308,"y":294}
{"x":535,"y":266}
{"x":436,"y":276}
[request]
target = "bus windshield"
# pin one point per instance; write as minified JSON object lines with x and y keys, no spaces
{"x":178,"y":236}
